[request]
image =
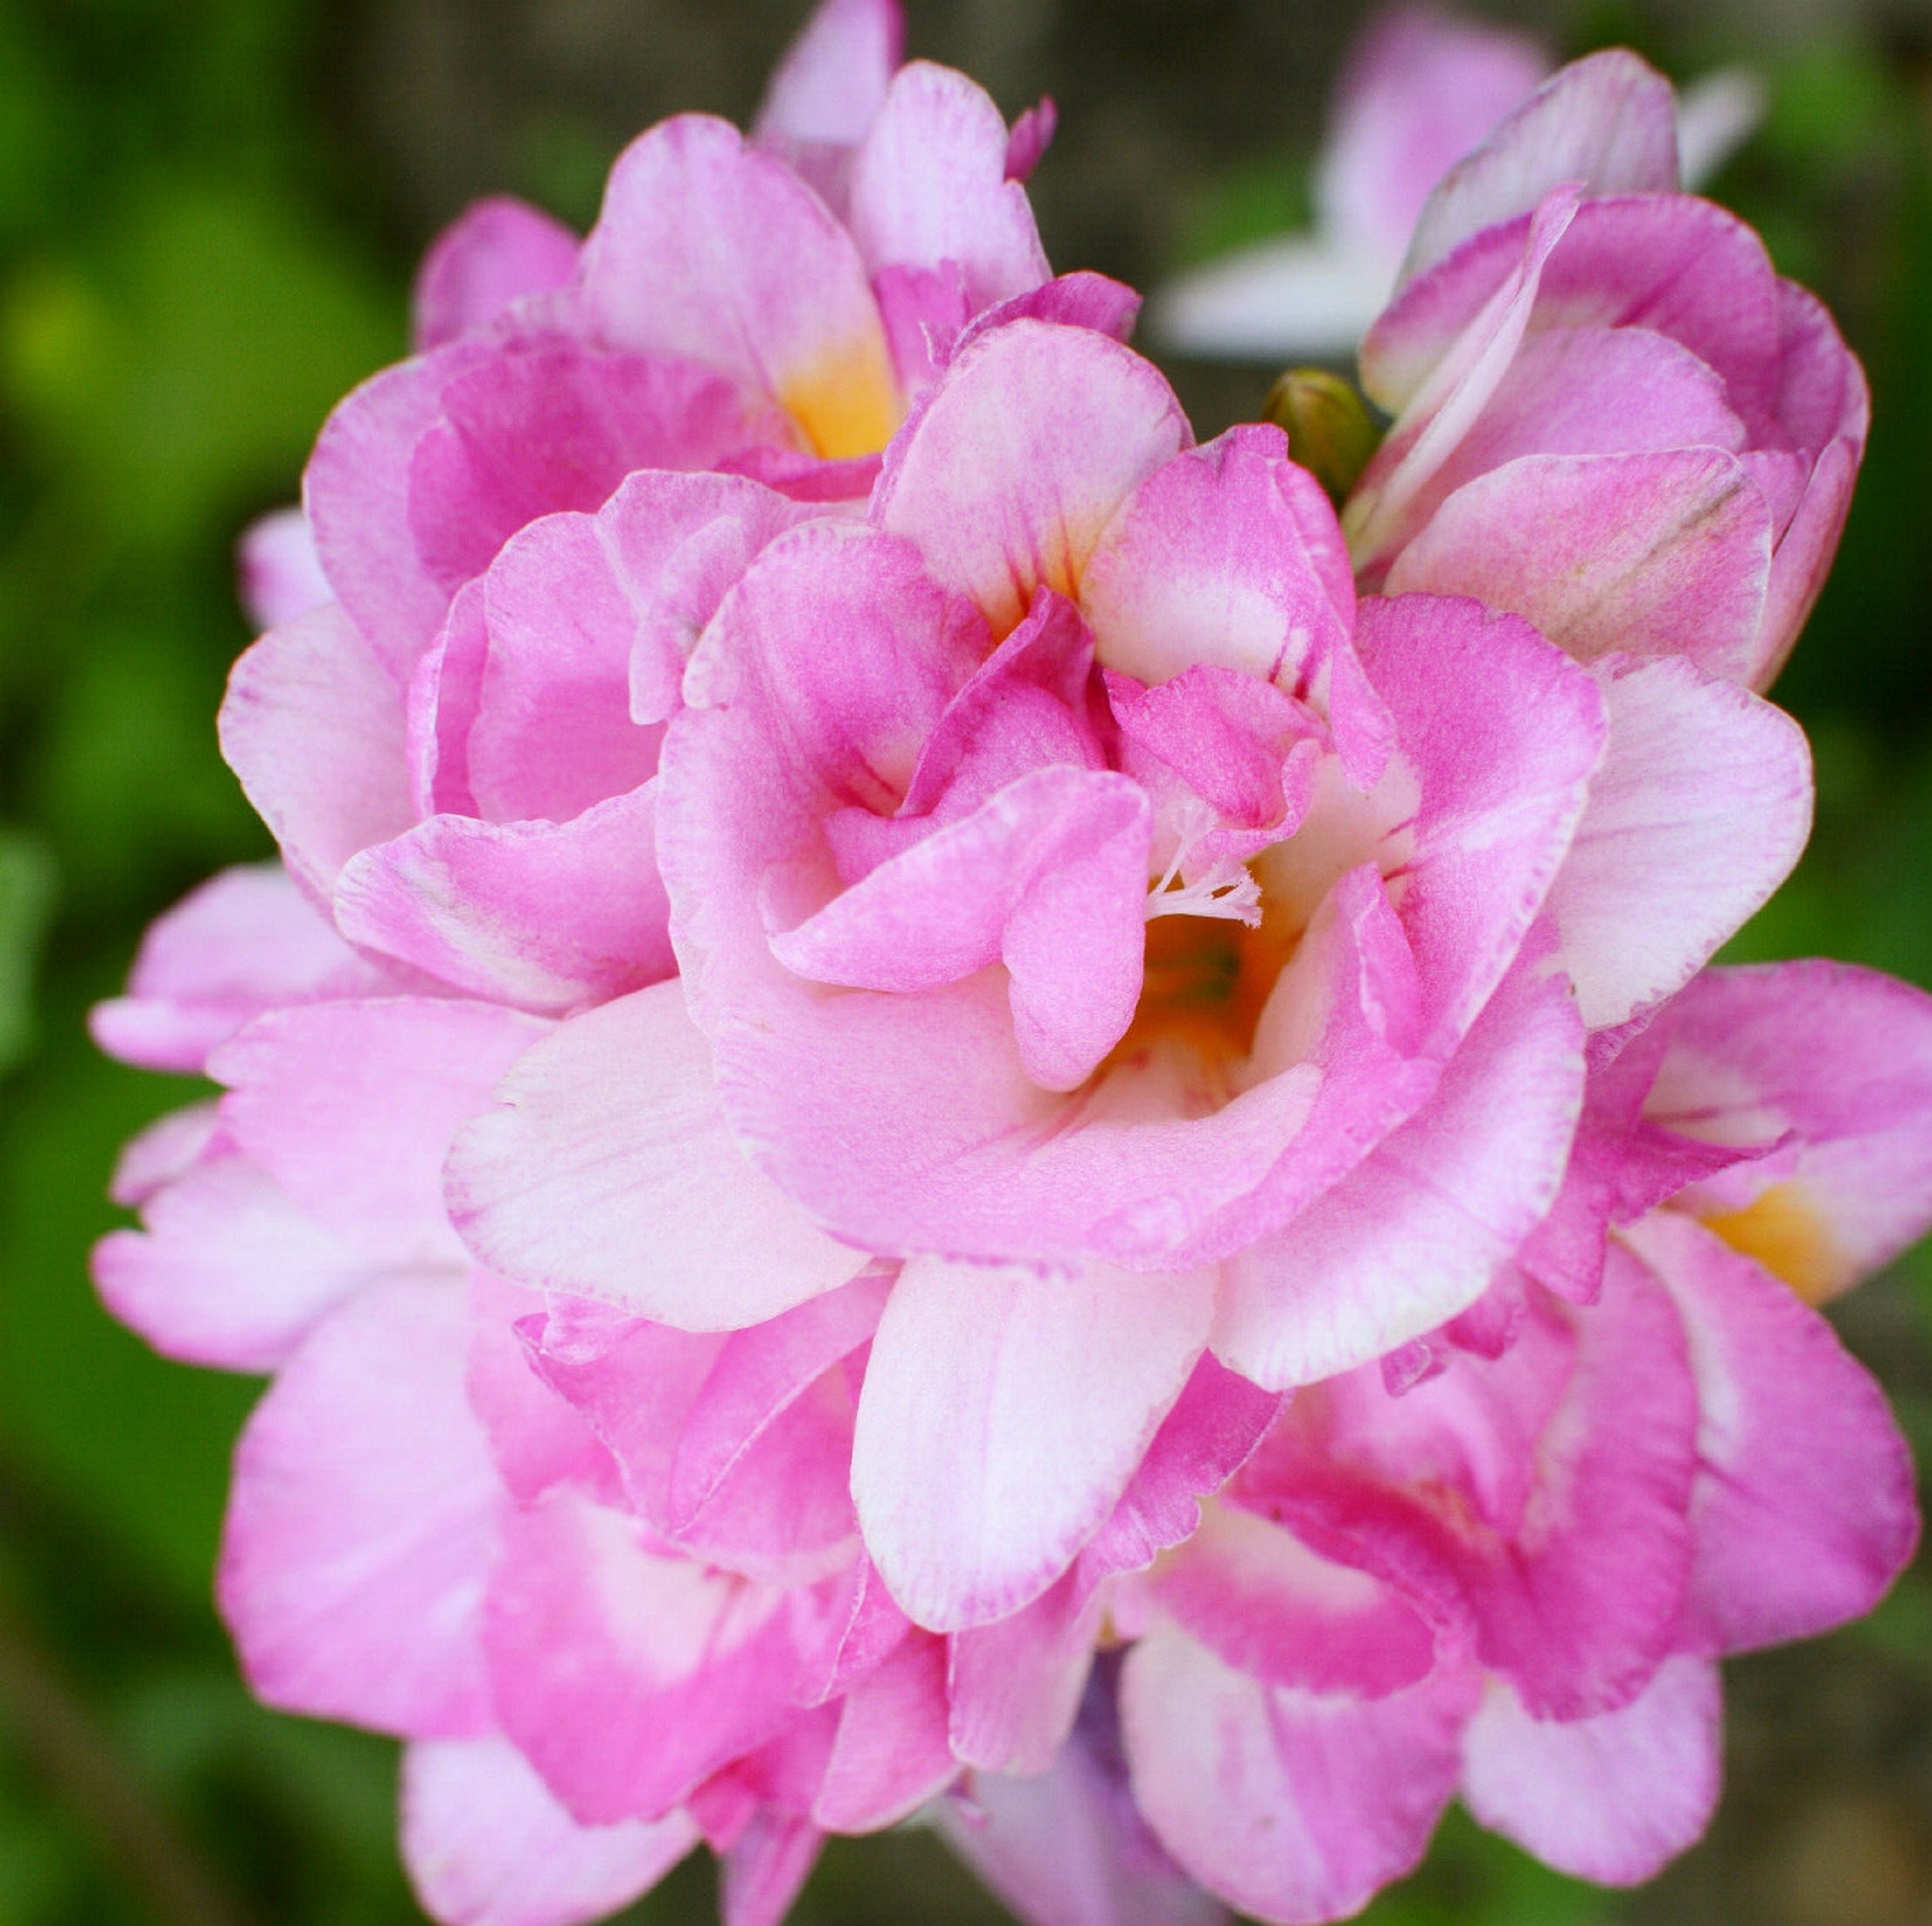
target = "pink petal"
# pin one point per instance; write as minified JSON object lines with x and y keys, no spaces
{"x":1015,"y":1685}
{"x":245,"y":941}
{"x":890,"y":1755}
{"x":1503,"y":736}
{"x":1001,"y":482}
{"x":1217,"y":1420}
{"x":314,"y":727}
{"x":708,"y":249}
{"x":1837,"y":1061}
{"x":350,"y":1107}
{"x":1230,"y":555}
{"x":765,"y":1870}
{"x":363,"y":1520}
{"x":553,"y":425}
{"x":225,"y":1269}
{"x":1032,"y":135}
{"x":930,"y":186}
{"x":623,"y":1677}
{"x":1255,"y":1596}
{"x":544,"y":915}
{"x":1607,"y":121}
{"x":831,"y":83}
{"x":1701,"y":809}
{"x":1292,"y":1804}
{"x":495,"y":252}
{"x":1412,"y":1235}
{"x":1609,"y":1798}
{"x":1804,"y":555}
{"x":607,"y":1169}
{"x":1803,"y":1511}
{"x":1004,"y":1413}
{"x":281,"y":574}
{"x":1049,"y":877}
{"x":1651,"y":554}
{"x":486,"y":1844}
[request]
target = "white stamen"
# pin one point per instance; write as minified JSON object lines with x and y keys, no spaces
{"x":1229,"y":890}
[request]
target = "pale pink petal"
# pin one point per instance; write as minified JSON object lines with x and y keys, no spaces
{"x":225,"y":1269}
{"x":494,"y":252}
{"x":1420,"y":89}
{"x":1412,"y":1235}
{"x":1802,"y":1513}
{"x":1014,"y":1686}
{"x":930,"y":186}
{"x":1609,"y":1798}
{"x":169,"y":1146}
{"x":833,"y":79}
{"x":709,"y":249}
{"x":486,"y":1844}
{"x":363,"y":1520}
{"x":607,"y":1169}
{"x":355,"y":493}
{"x":1081,"y":299}
{"x":1004,"y":1413}
{"x":1002,"y":483}
{"x":624,"y":1677}
{"x":245,"y":941}
{"x":1607,"y":121}
{"x":350,"y":1107}
{"x":1702,"y":806}
{"x":1651,"y":554}
{"x":314,"y":727}
{"x":757,"y":1376}
{"x":1836,"y":1061}
{"x":1292,"y":1804}
{"x":281,"y":574}
{"x":890,"y":1755}
{"x":548,"y":916}
{"x":1436,"y":357}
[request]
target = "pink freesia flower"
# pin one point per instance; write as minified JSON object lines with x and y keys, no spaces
{"x":1078,"y":908}
{"x":1611,"y":416}
{"x":1505,"y":1566}
{"x":1422,"y":88}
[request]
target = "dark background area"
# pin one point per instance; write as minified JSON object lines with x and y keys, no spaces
{"x":209,"y":211}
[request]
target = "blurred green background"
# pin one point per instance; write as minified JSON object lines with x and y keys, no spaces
{"x":208,"y":209}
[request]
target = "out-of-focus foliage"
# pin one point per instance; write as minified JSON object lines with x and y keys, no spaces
{"x":199,"y":250}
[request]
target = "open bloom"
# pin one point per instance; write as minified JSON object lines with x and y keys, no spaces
{"x":1612,"y":417}
{"x":1421,"y":89}
{"x":1503,"y":1565}
{"x":1082,"y":908}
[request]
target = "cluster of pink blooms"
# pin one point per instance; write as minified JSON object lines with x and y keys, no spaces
{"x":947,"y":1104}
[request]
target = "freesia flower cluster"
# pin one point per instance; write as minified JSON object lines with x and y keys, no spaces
{"x":947,"y":1104}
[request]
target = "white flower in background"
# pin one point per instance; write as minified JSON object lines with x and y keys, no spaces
{"x":1422,"y":89}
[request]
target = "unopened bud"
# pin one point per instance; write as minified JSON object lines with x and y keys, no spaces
{"x":1331,"y":431}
